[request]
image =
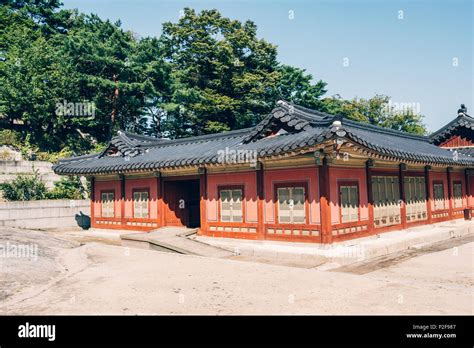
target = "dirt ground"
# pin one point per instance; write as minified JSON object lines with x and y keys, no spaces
{"x":68,"y":277}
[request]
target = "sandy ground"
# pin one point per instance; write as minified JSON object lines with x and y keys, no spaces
{"x":96,"y":278}
{"x":37,"y":264}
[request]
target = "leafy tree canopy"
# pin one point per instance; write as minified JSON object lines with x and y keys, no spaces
{"x":376,"y":111}
{"x":206,"y":73}
{"x":296,"y":86}
{"x":89,"y":62}
{"x":224,"y":77}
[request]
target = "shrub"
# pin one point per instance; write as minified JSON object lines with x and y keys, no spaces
{"x":8,"y":137}
{"x":24,"y":188}
{"x":31,"y":187}
{"x":54,"y":157}
{"x":68,"y":188}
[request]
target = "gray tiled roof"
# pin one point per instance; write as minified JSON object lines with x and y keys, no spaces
{"x":303,"y":129}
{"x":402,"y":146}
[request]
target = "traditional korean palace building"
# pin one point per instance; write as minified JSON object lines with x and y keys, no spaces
{"x":299,"y":175}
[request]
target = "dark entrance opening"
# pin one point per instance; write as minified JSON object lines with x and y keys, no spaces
{"x":181,"y":198}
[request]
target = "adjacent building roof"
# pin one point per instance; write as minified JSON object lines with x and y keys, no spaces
{"x":288,"y":128}
{"x":461,"y":125}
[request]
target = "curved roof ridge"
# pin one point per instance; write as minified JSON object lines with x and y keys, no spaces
{"x":129,"y":138}
{"x":125,"y":138}
{"x":140,"y":137}
{"x":324,"y":117}
{"x":304,"y":111}
{"x":78,"y":158}
{"x":201,"y":138}
{"x":384,"y":130}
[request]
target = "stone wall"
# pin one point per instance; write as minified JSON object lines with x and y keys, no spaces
{"x":43,"y":214}
{"x":9,"y":170}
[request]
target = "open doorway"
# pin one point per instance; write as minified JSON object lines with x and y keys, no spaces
{"x":182,"y":198}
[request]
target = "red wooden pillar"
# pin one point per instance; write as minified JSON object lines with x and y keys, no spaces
{"x":370,"y":199}
{"x":324,"y":201}
{"x":203,"y":200}
{"x":122,"y":200}
{"x":429,"y":200}
{"x":260,"y":177}
{"x":468,"y":188}
{"x":450,"y":193}
{"x":159,"y":200}
{"x":401,"y":182}
{"x":92,"y":196}
{"x":161,"y":204}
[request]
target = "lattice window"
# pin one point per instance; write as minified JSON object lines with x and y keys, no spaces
{"x":108,"y":204}
{"x":349,"y":198}
{"x":415,"y":194}
{"x":141,"y":204}
{"x":386,"y":196}
{"x":231,"y":205}
{"x":457,"y":193}
{"x":438,"y":195}
{"x":291,"y":205}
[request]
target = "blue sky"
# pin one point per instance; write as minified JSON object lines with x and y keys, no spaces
{"x":414,"y":51}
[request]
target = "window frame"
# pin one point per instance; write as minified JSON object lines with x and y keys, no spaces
{"x":345,"y":182}
{"x":140,"y":189}
{"x":231,"y":187}
{"x":458,"y":182}
{"x":411,"y":203}
{"x":434,"y":183}
{"x":397,"y":218}
{"x":291,"y":184}
{"x":102,"y":203}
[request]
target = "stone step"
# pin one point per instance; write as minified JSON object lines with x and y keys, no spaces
{"x":173,"y":239}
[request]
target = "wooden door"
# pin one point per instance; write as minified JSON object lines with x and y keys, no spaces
{"x":175,"y":203}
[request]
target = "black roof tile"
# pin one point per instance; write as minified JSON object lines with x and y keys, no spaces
{"x":304,"y":128}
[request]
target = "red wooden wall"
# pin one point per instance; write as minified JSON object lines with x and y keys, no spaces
{"x":264,"y":206}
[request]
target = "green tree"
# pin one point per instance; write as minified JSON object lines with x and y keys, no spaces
{"x":224,"y":77}
{"x":376,"y":111}
{"x":32,"y":80}
{"x":117,"y":72}
{"x":406,"y":120}
{"x":205,"y":74}
{"x":49,"y":57}
{"x":295,"y":86}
